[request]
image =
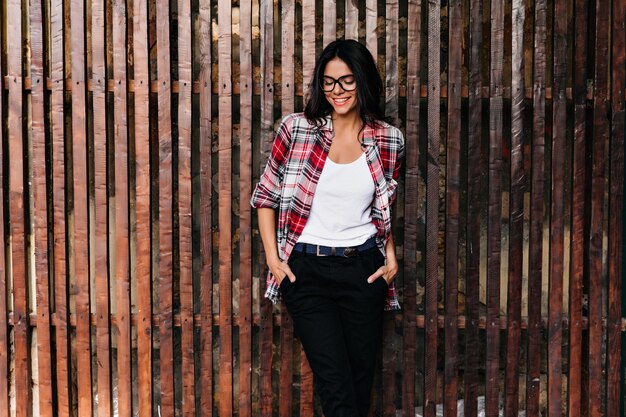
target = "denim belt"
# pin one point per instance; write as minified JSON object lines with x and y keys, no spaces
{"x":347,"y":251}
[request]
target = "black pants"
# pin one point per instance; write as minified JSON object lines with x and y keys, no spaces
{"x":338,"y":317}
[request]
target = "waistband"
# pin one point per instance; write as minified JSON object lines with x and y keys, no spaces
{"x":346,"y":251}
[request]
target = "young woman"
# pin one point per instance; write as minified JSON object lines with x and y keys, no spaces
{"x":331,"y":177}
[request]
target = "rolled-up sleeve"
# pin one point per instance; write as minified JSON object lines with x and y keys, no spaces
{"x":267,"y":192}
{"x":392,"y":186}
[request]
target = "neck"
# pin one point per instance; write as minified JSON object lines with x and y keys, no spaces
{"x":347,"y":121}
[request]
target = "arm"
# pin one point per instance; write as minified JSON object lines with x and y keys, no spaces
{"x":267,"y":229}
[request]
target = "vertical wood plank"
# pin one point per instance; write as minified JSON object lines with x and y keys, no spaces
{"x":40,"y":211}
{"x":80,"y":253}
{"x":224,"y":207}
{"x":516,"y":213}
{"x":453,"y":190}
{"x":391,"y":111}
{"x":122,"y":244}
{"x":616,"y":209}
{"x":473,"y":255}
{"x":166,"y":343}
{"x":352,"y":19}
{"x":287,"y":106}
{"x":555,"y":303}
{"x":267,"y":135}
{"x":59,"y":223}
{"x":185,"y":83}
{"x":206,"y":242}
{"x":4,"y":289}
{"x":101,"y":241}
{"x":142,"y":214}
{"x":411,"y":206}
{"x":21,"y":356}
{"x":330,"y":21}
{"x":432,"y":209}
{"x":574,"y":377}
{"x":308,"y":64}
{"x":371,"y":27}
{"x":533,"y":381}
{"x":492,"y":366}
{"x":596,"y":236}
{"x":245,"y":211}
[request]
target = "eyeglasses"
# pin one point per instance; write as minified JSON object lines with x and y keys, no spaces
{"x":347,"y":83}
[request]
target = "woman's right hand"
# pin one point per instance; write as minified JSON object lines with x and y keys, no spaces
{"x":280,"y":270}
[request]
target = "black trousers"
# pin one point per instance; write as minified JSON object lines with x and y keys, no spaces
{"x":337,"y":315}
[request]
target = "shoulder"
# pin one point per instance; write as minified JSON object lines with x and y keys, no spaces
{"x":388,"y":134}
{"x":298,"y":120}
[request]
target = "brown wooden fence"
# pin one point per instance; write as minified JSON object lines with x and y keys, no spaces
{"x":133,"y":132}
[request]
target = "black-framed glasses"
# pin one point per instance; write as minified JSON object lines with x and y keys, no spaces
{"x":347,"y":83}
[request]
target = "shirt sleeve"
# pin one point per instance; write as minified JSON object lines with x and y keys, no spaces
{"x":268,"y":191}
{"x":398,"y":150}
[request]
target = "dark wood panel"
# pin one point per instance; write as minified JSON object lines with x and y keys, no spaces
{"x":432,"y":210}
{"x":4,"y":289}
{"x":411,"y":183}
{"x":453,"y":196}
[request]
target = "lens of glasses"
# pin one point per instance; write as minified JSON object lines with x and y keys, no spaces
{"x":347,"y":83}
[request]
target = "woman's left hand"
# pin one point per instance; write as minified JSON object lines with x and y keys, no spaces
{"x":386,"y":272}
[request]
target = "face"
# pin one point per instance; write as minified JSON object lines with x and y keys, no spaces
{"x":343,"y":102}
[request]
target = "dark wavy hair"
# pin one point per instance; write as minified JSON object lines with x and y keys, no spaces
{"x":369,"y":85}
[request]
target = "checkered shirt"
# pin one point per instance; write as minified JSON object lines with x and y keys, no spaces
{"x":294,"y":168}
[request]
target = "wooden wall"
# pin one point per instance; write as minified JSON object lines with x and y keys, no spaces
{"x":132,"y":135}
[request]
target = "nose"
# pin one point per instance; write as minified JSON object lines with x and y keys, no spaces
{"x":338,"y":88}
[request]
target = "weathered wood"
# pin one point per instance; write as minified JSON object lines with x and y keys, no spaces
{"x":266,"y":135}
{"x":351,"y":19}
{"x":206,"y":242}
{"x":142,"y":209}
{"x":287,"y":106}
{"x":79,"y":256}
{"x":453,"y":190}
{"x":184,"y":207}
{"x":596,"y":236}
{"x":224,"y":207}
{"x":308,"y":64}
{"x":122,"y":244}
{"x":472,"y":274}
{"x":536,"y":215}
{"x":101,"y":212}
{"x":245,"y":212}
{"x":330,"y":21}
{"x":616,"y":210}
{"x":4,"y":290}
{"x":40,"y":211}
{"x":371,"y":27}
{"x":391,"y":111}
{"x":166,"y":343}
{"x":61,"y":296}
{"x":555,"y":299}
{"x":574,"y":378}
{"x":432,"y":210}
{"x":411,"y":182}
{"x":516,"y":214}
{"x":17,"y":228}
{"x":492,"y":366}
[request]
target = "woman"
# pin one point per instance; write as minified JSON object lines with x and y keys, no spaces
{"x":332,"y":177}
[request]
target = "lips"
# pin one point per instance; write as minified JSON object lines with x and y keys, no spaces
{"x":340,"y":101}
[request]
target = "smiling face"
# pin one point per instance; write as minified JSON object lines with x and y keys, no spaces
{"x":338,"y":76}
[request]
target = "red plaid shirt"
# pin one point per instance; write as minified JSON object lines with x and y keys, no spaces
{"x":293,"y":170}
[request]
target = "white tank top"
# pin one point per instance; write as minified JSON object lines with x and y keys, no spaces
{"x":341,"y":212}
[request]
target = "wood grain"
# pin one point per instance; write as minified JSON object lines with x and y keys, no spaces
{"x":40,"y":211}
{"x":351,"y":19}
{"x":4,"y":289}
{"x":330,"y":21}
{"x":371,"y":27}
